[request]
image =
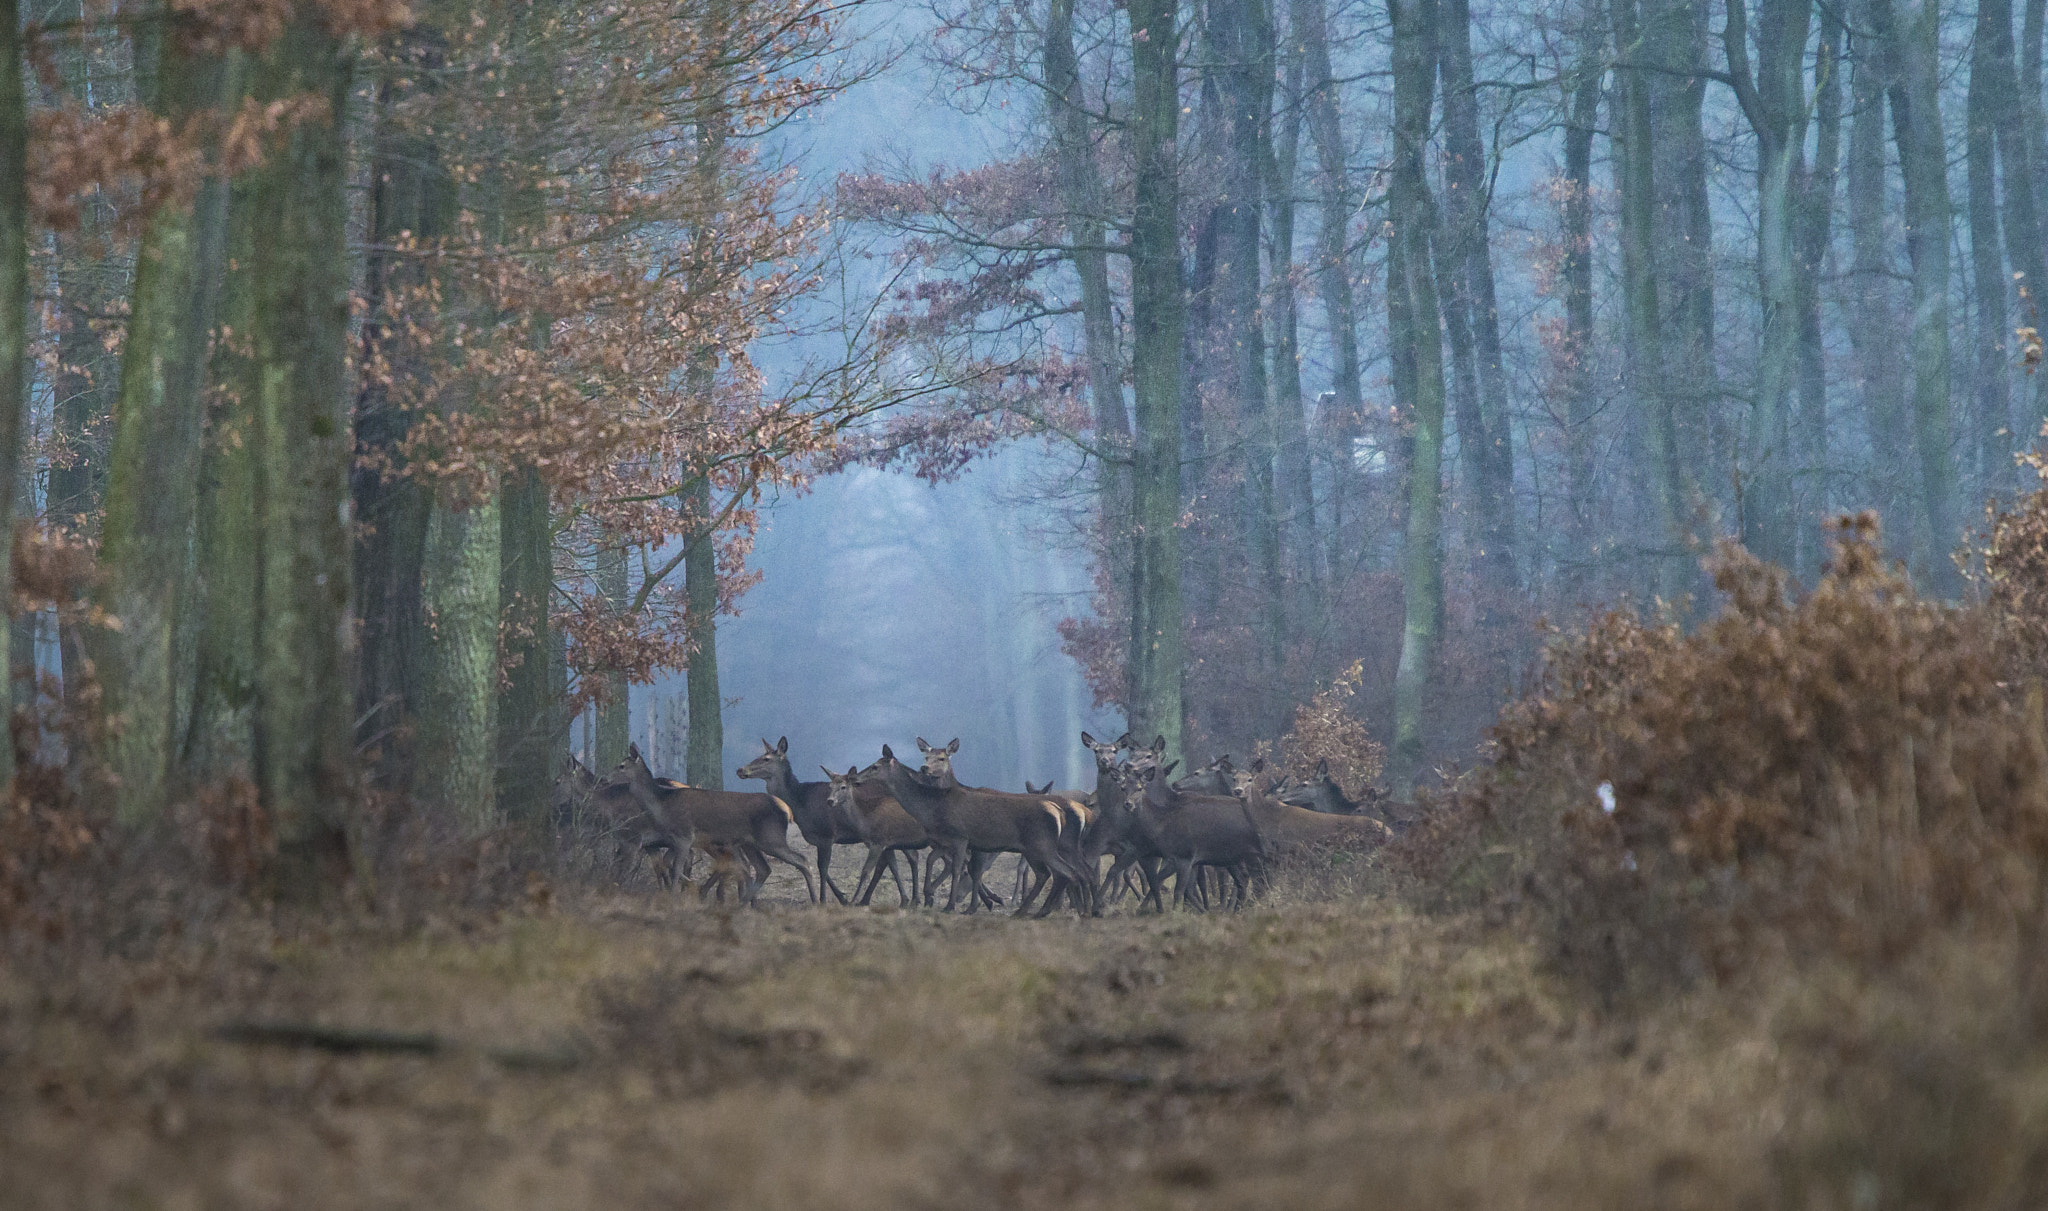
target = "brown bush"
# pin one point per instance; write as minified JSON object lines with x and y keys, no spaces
{"x":1845,"y":771}
{"x":1325,"y":730}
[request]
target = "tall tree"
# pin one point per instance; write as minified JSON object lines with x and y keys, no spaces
{"x":1153,"y":678}
{"x":1773,"y":99}
{"x":1991,"y":417}
{"x":14,"y":297}
{"x":1815,"y":210}
{"x":1581,"y":404}
{"x":1873,"y":306}
{"x":1470,"y":306}
{"x":1344,"y":409}
{"x":1086,"y":204}
{"x":303,"y":691}
{"x":1647,"y":375}
{"x":145,"y":538}
{"x":1411,"y":212}
{"x":1912,"y":34}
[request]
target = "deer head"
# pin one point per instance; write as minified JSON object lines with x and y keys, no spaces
{"x":938,"y":762}
{"x":774,"y":759}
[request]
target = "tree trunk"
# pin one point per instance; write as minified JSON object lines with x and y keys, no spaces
{"x":14,"y":298}
{"x":1083,"y":198}
{"x":410,"y":191}
{"x":1412,"y":213}
{"x":305,"y":761}
{"x":1488,"y":441}
{"x":2025,"y":194}
{"x":145,"y":539}
{"x":458,"y":749}
{"x":1774,"y":101}
{"x":706,"y":757}
{"x":1674,"y":40}
{"x":1816,"y":208}
{"x":1913,"y":35}
{"x":531,"y":729}
{"x":1644,"y":345}
{"x":614,"y":717}
{"x":1296,"y":496}
{"x":219,"y":741}
{"x":1873,"y":328}
{"x":1992,"y":397}
{"x":1341,"y":414}
{"x":1582,"y":404}
{"x":1153,"y":675}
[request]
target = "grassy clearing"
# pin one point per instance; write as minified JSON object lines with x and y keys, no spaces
{"x":633,"y":1050}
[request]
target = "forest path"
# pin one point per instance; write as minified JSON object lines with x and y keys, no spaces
{"x":626,"y":1051}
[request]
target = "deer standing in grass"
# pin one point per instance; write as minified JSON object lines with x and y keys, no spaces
{"x":886,"y":829}
{"x":754,"y":826}
{"x":1074,"y":819}
{"x":811,"y":804}
{"x":960,"y":821}
{"x":1191,"y":831}
{"x":1289,"y":829}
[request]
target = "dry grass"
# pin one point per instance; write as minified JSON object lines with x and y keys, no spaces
{"x":628,"y":1050}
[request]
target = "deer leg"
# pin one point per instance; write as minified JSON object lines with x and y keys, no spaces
{"x":1041,"y":871}
{"x":781,"y":852}
{"x":824,"y":852}
{"x":870,"y":874}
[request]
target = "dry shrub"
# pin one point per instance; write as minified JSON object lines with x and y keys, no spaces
{"x":1326,"y":730}
{"x":1842,"y":773}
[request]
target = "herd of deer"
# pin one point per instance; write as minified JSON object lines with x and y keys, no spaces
{"x":1216,"y":823}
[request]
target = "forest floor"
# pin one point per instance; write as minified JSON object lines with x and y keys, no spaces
{"x":627,"y":1050}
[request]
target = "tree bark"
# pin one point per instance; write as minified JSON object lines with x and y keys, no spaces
{"x":305,"y":762}
{"x":1487,"y":441}
{"x":705,"y":759}
{"x":1992,"y":397}
{"x":1913,"y":36}
{"x":614,"y":716}
{"x":1644,"y":355}
{"x":2025,"y":194}
{"x":1581,"y":403}
{"x":1296,"y":495}
{"x":458,"y":752}
{"x":1412,"y":213}
{"x":411,"y":193}
{"x":531,"y":728}
{"x":14,"y":297}
{"x":1083,"y":198}
{"x":1815,"y":204}
{"x":146,"y":536}
{"x":1774,"y":101}
{"x":1153,"y":675}
{"x":1873,"y":309}
{"x":1342,"y":413}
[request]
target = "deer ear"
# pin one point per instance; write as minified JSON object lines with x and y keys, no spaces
{"x":1159,"y":744}
{"x":1087,"y":739}
{"x":954,"y":747}
{"x":1125,"y":741}
{"x":1258,"y":765}
{"x":1223,"y":763}
{"x":922,"y":747}
{"x":828,"y":773}
{"x":633,"y":751}
{"x":782,"y":747}
{"x":889,"y":756}
{"x":1169,"y":768}
{"x":853,"y":771}
{"x":1323,"y":768}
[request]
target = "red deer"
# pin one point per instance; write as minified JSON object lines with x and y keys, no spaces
{"x":960,"y":821}
{"x":1289,"y":829}
{"x":886,"y":829}
{"x":755,"y":826}
{"x":1192,"y":831}
{"x":810,"y":803}
{"x":1074,"y":819}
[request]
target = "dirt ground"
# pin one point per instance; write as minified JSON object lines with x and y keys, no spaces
{"x":628,"y":1050}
